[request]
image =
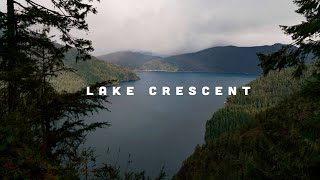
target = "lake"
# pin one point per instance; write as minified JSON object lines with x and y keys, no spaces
{"x":159,"y":130}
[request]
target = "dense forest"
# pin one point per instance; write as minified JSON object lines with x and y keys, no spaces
{"x":42,"y":130}
{"x":266,"y":92}
{"x":275,"y":132}
{"x":86,"y":73}
{"x":272,"y":134}
{"x":89,"y":72}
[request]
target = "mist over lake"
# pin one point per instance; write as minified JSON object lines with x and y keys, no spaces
{"x":159,"y":130}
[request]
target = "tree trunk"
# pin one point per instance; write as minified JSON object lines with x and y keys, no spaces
{"x":11,"y":59}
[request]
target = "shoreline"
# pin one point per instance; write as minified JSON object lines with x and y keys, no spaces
{"x":162,"y":71}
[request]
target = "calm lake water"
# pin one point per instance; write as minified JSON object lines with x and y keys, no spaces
{"x":159,"y":130}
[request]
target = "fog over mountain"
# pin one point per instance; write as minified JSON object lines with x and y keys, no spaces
{"x":227,"y":59}
{"x":181,"y":26}
{"x":174,"y":27}
{"x":230,"y":59}
{"x":129,"y":59}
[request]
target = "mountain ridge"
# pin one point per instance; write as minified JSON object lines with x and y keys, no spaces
{"x":89,"y":72}
{"x":128,"y":59}
{"x":214,"y":59}
{"x":223,"y":59}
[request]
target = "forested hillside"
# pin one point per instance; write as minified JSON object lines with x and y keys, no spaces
{"x":269,"y":134}
{"x":89,"y":72}
{"x":275,"y":132}
{"x":158,"y":65}
{"x":128,"y":59}
{"x":266,"y":92}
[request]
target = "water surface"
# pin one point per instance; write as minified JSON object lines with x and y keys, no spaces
{"x":159,"y":130}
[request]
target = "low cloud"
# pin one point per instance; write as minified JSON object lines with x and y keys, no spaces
{"x":178,"y":26}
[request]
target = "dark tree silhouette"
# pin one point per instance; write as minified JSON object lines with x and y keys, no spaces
{"x":305,"y":37}
{"x":42,"y":129}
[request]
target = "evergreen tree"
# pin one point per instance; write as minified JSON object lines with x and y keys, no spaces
{"x":305,"y":37}
{"x":42,"y":129}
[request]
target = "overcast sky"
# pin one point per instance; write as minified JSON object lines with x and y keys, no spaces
{"x":178,"y":26}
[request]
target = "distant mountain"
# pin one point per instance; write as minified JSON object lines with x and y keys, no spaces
{"x":151,"y":54}
{"x":222,"y":59}
{"x":231,"y":59}
{"x":129,"y":59}
{"x":158,"y":65}
{"x":89,"y":72}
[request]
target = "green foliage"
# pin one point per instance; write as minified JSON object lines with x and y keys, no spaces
{"x":266,"y":92}
{"x":90,"y":72}
{"x":278,"y":60}
{"x":43,"y":101}
{"x":21,"y":161}
{"x":90,"y":170}
{"x":139,"y":61}
{"x":281,"y":142}
{"x":128,"y":59}
{"x":41,"y":124}
{"x":112,"y":173}
{"x":305,"y":36}
{"x":276,"y":139}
